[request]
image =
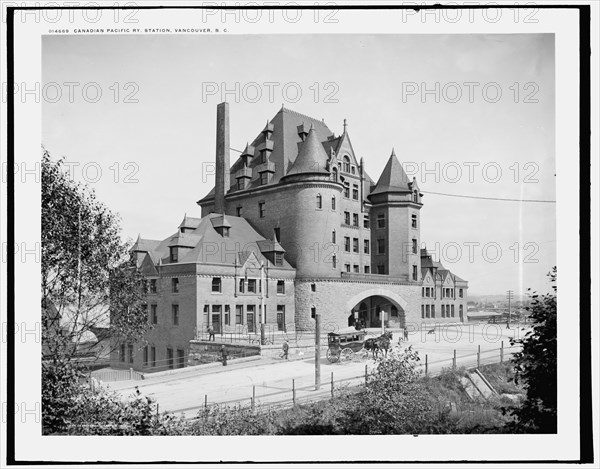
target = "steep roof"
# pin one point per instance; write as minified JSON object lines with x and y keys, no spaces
{"x":312,"y":158}
{"x":393,"y":178}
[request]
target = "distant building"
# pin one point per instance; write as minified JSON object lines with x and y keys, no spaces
{"x":331,"y":240}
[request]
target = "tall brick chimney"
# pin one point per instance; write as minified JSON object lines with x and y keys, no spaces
{"x":223,"y":166}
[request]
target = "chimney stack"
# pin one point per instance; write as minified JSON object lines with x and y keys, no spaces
{"x":222,"y":160}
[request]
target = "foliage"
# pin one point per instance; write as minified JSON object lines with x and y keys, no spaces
{"x":535,"y":366}
{"x":87,"y":280}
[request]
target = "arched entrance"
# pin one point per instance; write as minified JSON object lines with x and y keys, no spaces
{"x":373,"y":306}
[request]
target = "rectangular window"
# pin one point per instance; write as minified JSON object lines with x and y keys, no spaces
{"x":130,"y":353}
{"x":175,"y":314}
{"x":216,"y":285}
{"x":356,"y":268}
{"x":153,"y":285}
{"x":313,"y":287}
{"x":313,"y":312}
{"x":239,"y":314}
{"x":251,"y":285}
{"x":241,"y":184}
{"x":333,"y":237}
{"x":347,"y":190}
{"x":347,"y":243}
{"x":241,"y":286}
{"x":153,"y":314}
{"x":414,"y":220}
{"x":347,"y":267}
{"x":381,"y":220}
{"x":239,"y":211}
{"x":460,"y":292}
{"x":414,"y":246}
{"x":381,"y":269}
{"x":443,"y":311}
{"x":278,"y":258}
{"x":452,"y":310}
{"x":333,"y":203}
{"x":175,"y":285}
{"x":173,"y":253}
{"x":153,"y":356}
{"x":414,"y":272}
{"x":264,"y":178}
{"x":355,"y":219}
{"x":354,"y":244}
{"x":334,"y":261}
{"x":433,"y":311}
{"x":146,"y":355}
{"x":261,"y":209}
{"x":180,"y":358}
{"x":367,"y":269}
{"x":366,"y":246}
{"x":280,"y":317}
{"x":170,"y":357}
{"x":355,"y":191}
{"x":381,"y":246}
{"x":347,"y":218}
{"x":280,"y":287}
{"x":422,"y":311}
{"x":227,"y":315}
{"x":427,"y":311}
{"x":366,"y":221}
{"x":122,"y":353}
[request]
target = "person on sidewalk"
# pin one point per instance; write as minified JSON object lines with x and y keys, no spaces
{"x":224,"y":355}
{"x":286,"y":348}
{"x":211,"y":333}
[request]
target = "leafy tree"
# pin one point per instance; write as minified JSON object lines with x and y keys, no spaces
{"x":535,"y":366}
{"x":88,"y":281}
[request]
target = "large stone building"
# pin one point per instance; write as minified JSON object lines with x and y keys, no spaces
{"x":298,"y":210}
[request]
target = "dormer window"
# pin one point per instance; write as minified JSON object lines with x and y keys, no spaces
{"x":278,"y":258}
{"x":226,"y":232}
{"x":416,"y":197}
{"x":173,"y":253}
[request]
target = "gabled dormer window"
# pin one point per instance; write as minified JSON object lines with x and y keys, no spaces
{"x":278,"y":258}
{"x":173,"y":253}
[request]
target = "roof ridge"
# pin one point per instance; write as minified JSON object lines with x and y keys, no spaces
{"x":291,"y":111}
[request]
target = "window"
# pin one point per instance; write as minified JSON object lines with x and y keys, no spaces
{"x":241,"y":184}
{"x":130,"y":353}
{"x":366,"y":247}
{"x":443,"y":311}
{"x":153,"y":314}
{"x":278,"y":258}
{"x":352,"y":169}
{"x":216,"y":285}
{"x":381,"y":269}
{"x":225,"y":231}
{"x":346,"y":164}
{"x":460,"y":310}
{"x":347,"y":267}
{"x":122,"y":353}
{"x":381,"y":220}
{"x":175,"y":314}
{"x":347,"y":243}
{"x":153,"y":356}
{"x":413,"y":220}
{"x":251,"y":285}
{"x":264,"y":178}
{"x":261,"y":209}
{"x":355,"y":219}
{"x":427,"y":311}
{"x":280,"y":287}
{"x":414,"y":272}
{"x":335,"y":174}
{"x":239,"y":314}
{"x":241,"y":286}
{"x":433,"y":311}
{"x":355,"y":245}
{"x":460,"y":292}
{"x":239,"y":211}
{"x":381,"y":246}
{"x":313,"y":312}
{"x":347,"y":218}
{"x":356,"y":268}
{"x":367,"y":269}
{"x":227,"y":315}
{"x":355,"y":191}
{"x":170,"y":357}
{"x":333,"y":236}
{"x":313,"y":287}
{"x":414,"y":246}
{"x":422,"y":311}
{"x":175,"y":285}
{"x":319,"y":201}
{"x":173,"y":253}
{"x":333,"y":203}
{"x":366,"y":221}
{"x":153,"y":285}
{"x":416,"y":197}
{"x":334,"y":261}
{"x":347,"y":190}
{"x":146,"y":355}
{"x":452,"y":310}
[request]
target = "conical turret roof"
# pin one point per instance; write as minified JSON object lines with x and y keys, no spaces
{"x":393,"y":178}
{"x":312,"y":158}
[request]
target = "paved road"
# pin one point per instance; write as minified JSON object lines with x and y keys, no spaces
{"x":272,"y":378}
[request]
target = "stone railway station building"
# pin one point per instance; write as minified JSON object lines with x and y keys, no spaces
{"x":293,"y":228}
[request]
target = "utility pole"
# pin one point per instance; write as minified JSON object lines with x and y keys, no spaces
{"x":509,"y":295}
{"x":317,"y":351}
{"x":262,"y":303}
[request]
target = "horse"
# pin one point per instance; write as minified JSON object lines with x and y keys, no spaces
{"x":383,"y":343}
{"x":372,"y":346}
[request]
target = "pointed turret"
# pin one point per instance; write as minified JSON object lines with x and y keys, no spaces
{"x":393,"y":178}
{"x":312,"y":158}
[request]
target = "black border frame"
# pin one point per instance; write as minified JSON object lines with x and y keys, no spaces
{"x":585,"y":368}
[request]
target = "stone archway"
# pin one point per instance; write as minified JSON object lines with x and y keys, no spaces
{"x":368,"y":304}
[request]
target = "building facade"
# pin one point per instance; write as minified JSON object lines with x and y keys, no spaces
{"x":297,"y":209}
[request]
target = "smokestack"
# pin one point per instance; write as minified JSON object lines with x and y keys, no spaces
{"x":222,"y":160}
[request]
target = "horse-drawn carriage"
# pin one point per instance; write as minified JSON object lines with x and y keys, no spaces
{"x":344,"y":344}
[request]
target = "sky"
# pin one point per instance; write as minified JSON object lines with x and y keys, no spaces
{"x":146,"y":144}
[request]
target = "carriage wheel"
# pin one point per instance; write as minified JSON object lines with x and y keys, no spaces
{"x":332,"y":357}
{"x":346,"y":355}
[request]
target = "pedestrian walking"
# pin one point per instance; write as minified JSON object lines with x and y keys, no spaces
{"x":405,"y":333}
{"x":224,"y":355}
{"x":211,"y":333}
{"x":286,"y":348}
